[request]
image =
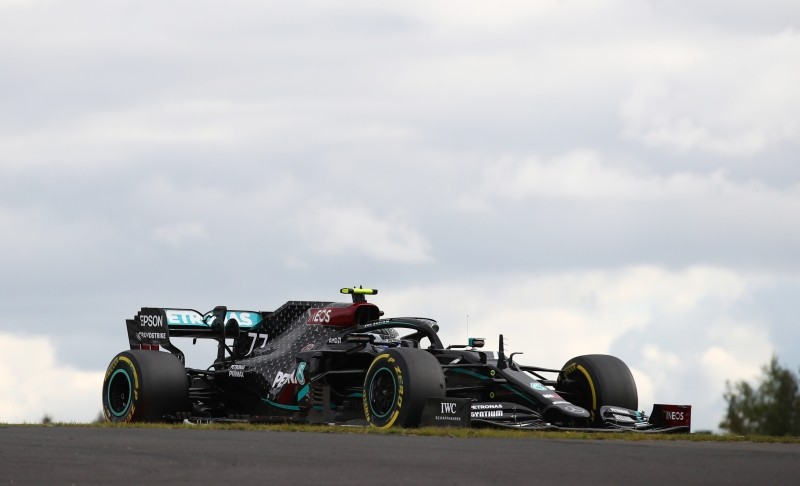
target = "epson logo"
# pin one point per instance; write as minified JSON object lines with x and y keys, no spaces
{"x":151,"y":321}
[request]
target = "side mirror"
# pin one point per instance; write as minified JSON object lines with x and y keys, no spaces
{"x":476,"y":342}
{"x":471,"y":343}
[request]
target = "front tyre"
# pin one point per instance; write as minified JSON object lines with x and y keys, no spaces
{"x":144,"y":386}
{"x":398,"y":383}
{"x":595,"y":380}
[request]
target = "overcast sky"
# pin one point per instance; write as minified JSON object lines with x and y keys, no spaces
{"x":613,"y":177}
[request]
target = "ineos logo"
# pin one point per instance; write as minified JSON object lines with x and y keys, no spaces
{"x":673,"y":415}
{"x":321,"y":316}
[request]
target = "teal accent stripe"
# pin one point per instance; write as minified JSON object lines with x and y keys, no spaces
{"x":484,"y":377}
{"x":319,"y":407}
{"x":294,"y":408}
{"x":129,"y":395}
{"x":470,"y":373}
{"x":302,"y":393}
{"x":507,"y":387}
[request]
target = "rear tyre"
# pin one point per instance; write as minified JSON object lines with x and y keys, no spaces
{"x":144,"y":386}
{"x":397,"y":385}
{"x":595,"y":380}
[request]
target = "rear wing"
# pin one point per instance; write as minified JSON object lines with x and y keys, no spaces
{"x":152,"y":327}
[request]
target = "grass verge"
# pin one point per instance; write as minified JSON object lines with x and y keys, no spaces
{"x":462,"y":433}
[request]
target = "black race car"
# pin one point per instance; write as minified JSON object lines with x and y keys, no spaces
{"x":344,"y":363}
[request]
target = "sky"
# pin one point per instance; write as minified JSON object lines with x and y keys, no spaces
{"x":608,"y":176}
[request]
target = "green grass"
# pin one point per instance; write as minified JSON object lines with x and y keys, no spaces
{"x":460,"y":433}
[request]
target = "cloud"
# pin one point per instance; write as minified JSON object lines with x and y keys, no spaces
{"x":22,"y":230}
{"x":693,"y":369}
{"x":588,"y":175}
{"x":736,"y":99}
{"x":583,"y":207}
{"x":344,"y":229}
{"x":177,"y":234}
{"x":578,"y":174}
{"x":35,"y":234}
{"x":34,"y":383}
{"x":473,"y":15}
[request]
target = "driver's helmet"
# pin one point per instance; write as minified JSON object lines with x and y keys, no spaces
{"x":386,"y":337}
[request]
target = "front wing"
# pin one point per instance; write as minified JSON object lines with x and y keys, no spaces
{"x":449,"y":412}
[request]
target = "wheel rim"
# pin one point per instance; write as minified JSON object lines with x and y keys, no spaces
{"x":382,"y":392}
{"x":119,"y":393}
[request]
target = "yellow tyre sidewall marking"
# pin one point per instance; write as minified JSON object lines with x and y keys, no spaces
{"x":591,"y":387}
{"x":113,"y":367}
{"x":398,"y":399}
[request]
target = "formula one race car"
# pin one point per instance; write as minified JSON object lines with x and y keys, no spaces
{"x":343,"y":363}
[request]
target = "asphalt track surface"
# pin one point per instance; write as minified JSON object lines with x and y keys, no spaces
{"x":84,"y":455}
